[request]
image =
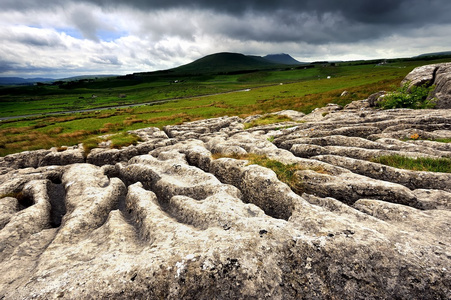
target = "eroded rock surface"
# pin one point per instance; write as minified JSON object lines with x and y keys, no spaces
{"x":172,"y":219}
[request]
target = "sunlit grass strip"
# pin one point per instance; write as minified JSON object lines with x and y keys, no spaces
{"x":442,"y":140}
{"x":267,"y":120}
{"x":442,"y":165}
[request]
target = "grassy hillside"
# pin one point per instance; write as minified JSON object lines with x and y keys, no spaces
{"x":225,"y":63}
{"x":192,"y":98}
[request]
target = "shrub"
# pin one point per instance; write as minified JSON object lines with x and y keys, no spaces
{"x":415,"y":97}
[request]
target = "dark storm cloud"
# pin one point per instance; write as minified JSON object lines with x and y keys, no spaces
{"x":7,"y":67}
{"x":374,"y":11}
{"x":377,"y":11}
{"x":311,"y":21}
{"x":366,"y":6}
{"x":33,"y":38}
{"x":85,"y":22}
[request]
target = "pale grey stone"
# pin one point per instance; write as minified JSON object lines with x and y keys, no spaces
{"x":166,"y":220}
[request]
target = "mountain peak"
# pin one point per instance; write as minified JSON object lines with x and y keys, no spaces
{"x":282,"y":58}
{"x":226,"y":62}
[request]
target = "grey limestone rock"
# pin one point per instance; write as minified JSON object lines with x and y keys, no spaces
{"x":292,"y":114}
{"x":185,"y":215}
{"x":423,"y":75}
{"x":438,"y":75}
{"x":358,"y":104}
{"x":24,"y":159}
{"x":197,"y":128}
{"x":374,"y":98}
{"x":442,"y":91}
{"x":69,"y":155}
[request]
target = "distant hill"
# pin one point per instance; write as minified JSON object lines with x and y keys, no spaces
{"x":218,"y":63}
{"x":83,"y":77}
{"x":31,"y":81}
{"x":282,"y":58}
{"x":226,"y":62}
{"x":444,"y":53}
{"x":22,"y":81}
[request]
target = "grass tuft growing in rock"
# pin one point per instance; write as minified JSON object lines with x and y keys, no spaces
{"x":123,"y":139}
{"x":266,"y":120}
{"x":441,"y":140}
{"x":285,"y":172}
{"x":90,"y":144}
{"x":442,"y":165}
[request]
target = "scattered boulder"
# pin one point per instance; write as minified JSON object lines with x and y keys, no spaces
{"x":424,"y":75}
{"x":373,"y":99}
{"x":438,"y":75}
{"x":442,"y":82}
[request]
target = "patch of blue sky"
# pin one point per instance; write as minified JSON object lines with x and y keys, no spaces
{"x":75,"y":33}
{"x":108,"y":35}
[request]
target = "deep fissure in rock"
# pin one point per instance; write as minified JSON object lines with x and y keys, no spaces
{"x":57,"y":197}
{"x":24,"y":200}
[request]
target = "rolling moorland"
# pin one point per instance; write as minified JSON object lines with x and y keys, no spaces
{"x":71,"y":112}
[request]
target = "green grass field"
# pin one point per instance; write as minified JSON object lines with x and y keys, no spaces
{"x":192,"y":98}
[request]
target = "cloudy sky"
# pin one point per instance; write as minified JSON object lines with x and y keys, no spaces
{"x":60,"y":38}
